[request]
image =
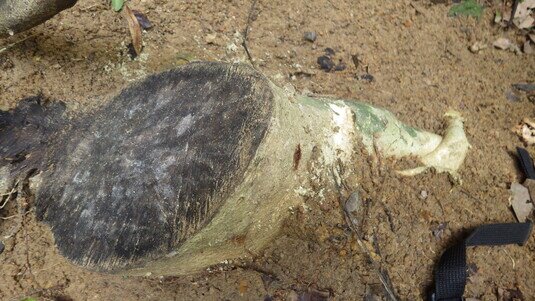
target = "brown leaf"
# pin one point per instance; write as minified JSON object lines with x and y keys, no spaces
{"x":135,"y":29}
{"x":144,"y":22}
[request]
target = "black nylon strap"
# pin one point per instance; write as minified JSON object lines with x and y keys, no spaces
{"x":450,"y":275}
{"x":500,"y":234}
{"x":526,"y":162}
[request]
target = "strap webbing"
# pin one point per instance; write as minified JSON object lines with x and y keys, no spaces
{"x":526,"y":162}
{"x":451,"y":273}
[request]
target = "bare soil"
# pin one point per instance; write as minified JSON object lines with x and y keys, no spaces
{"x":421,"y":64}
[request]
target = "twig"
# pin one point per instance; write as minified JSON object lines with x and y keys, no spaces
{"x":20,"y":213}
{"x":513,"y":13}
{"x":9,"y":194}
{"x":17,"y":42}
{"x":381,"y":272}
{"x":246,"y":31}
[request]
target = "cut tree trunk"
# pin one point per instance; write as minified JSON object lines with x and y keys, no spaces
{"x":20,"y":15}
{"x":202,"y":164}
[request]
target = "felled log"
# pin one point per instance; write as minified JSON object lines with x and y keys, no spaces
{"x":20,"y":15}
{"x":198,"y":165}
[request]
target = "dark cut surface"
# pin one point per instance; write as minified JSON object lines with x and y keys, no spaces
{"x":153,"y":166}
{"x":27,"y":131}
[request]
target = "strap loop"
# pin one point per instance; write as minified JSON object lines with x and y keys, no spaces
{"x":451,"y":273}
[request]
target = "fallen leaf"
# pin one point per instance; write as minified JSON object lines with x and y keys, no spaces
{"x":144,"y":22}
{"x":135,"y":29}
{"x":527,"y":47}
{"x":439,"y":230}
{"x":530,"y":185}
{"x":477,"y":46}
{"x":117,"y":5}
{"x":524,"y":9}
{"x":520,"y":201}
{"x":526,"y":131}
{"x":524,"y":23}
{"x":466,"y":8}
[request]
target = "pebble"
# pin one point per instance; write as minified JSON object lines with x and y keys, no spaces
{"x":423,"y":194}
{"x":477,"y":46}
{"x":210,"y":38}
{"x":231,"y":47}
{"x":340,"y":67}
{"x":325,"y":62}
{"x":310,"y":36}
{"x":527,"y":48}
{"x":292,"y":296}
{"x":2,"y":247}
{"x":502,"y":43}
{"x":353,"y":202}
{"x":367,"y":77}
{"x":329,"y":51}
{"x":511,"y":96}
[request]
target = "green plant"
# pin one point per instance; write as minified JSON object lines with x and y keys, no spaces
{"x":117,"y":5}
{"x":466,"y":8}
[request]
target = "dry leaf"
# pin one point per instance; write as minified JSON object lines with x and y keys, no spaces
{"x":144,"y":22}
{"x":135,"y":29}
{"x":525,"y":22}
{"x":521,"y":201}
{"x":502,"y":43}
{"x":477,"y":46}
{"x":524,"y":9}
{"x":522,"y":18}
{"x":530,"y":185}
{"x":526,"y":131}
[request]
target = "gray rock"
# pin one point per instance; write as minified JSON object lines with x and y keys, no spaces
{"x":310,"y":36}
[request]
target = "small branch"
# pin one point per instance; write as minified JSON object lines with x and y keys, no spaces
{"x":17,"y":42}
{"x":513,"y":13}
{"x":381,"y":272}
{"x":246,"y":31}
{"x":20,"y":215}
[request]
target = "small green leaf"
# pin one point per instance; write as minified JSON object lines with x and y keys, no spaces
{"x":29,"y":299}
{"x":466,"y":8}
{"x":117,"y":5}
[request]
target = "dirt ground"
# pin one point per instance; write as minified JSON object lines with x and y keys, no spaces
{"x":421,"y":64}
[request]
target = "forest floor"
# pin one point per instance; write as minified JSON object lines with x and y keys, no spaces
{"x":421,"y":65}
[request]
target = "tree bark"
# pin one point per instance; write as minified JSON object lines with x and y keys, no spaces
{"x":20,"y":15}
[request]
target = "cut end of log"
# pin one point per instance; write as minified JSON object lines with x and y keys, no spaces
{"x":155,"y":164}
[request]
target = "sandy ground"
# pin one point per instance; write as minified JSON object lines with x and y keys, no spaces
{"x":422,"y":66}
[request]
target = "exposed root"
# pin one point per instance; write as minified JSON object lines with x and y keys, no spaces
{"x":450,"y":153}
{"x":381,"y":272}
{"x":246,"y":31}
